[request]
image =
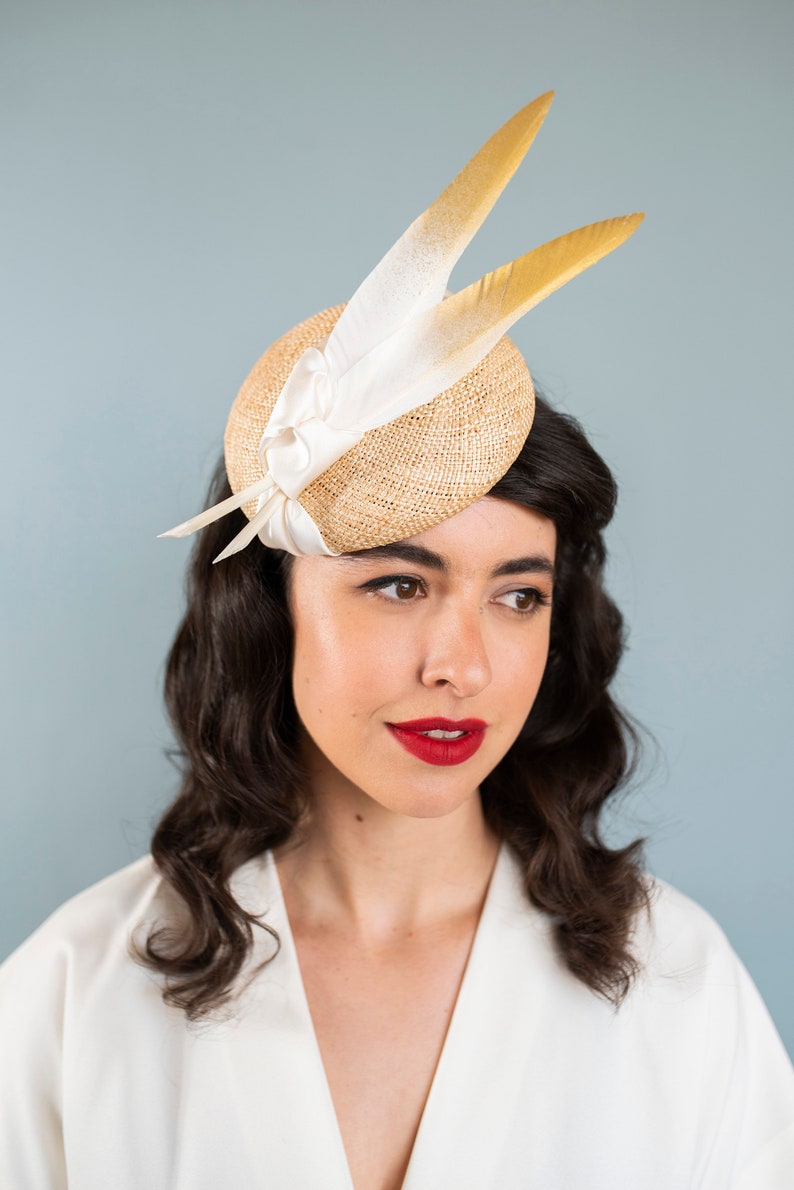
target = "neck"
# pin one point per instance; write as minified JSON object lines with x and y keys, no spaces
{"x":358,"y":866}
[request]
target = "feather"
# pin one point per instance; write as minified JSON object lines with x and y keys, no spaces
{"x":439,"y":346}
{"x":413,"y":274}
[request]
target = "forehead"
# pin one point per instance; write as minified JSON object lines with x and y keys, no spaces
{"x":491,"y":523}
{"x":487,"y":534}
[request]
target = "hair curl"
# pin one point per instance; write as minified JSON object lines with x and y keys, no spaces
{"x":229,"y":696}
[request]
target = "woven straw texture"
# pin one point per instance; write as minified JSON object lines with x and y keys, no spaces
{"x":407,"y":475}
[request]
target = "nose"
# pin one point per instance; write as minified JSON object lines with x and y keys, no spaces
{"x":455,"y":652}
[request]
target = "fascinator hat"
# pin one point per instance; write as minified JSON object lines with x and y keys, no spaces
{"x":375,"y":420}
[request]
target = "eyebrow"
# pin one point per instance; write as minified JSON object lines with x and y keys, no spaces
{"x":536,"y":563}
{"x":403,"y":551}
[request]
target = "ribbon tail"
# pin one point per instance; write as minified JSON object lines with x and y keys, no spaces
{"x":218,"y":510}
{"x":251,"y":530}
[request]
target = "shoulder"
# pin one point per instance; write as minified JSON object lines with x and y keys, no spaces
{"x":696,"y":990}
{"x":686,"y":959}
{"x":671,"y":935}
{"x":102,"y":907}
{"x":74,"y":1005}
{"x":678,"y":937}
{"x":85,"y":948}
{"x":696,"y":985}
{"x":47,"y":987}
{"x":86,"y":932}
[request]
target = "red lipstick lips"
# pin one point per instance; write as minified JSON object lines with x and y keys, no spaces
{"x":440,"y":741}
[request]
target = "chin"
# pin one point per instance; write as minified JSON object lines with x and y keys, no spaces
{"x":427,"y":803}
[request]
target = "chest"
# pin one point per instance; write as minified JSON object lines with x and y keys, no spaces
{"x":539,"y":1084}
{"x":381,"y":1017}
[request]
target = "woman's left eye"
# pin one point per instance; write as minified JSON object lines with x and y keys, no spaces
{"x":525,"y":599}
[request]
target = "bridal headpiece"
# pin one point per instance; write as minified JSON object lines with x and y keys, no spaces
{"x":377,"y":419}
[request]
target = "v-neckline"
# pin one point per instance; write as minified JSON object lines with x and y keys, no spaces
{"x":444,"y":1075}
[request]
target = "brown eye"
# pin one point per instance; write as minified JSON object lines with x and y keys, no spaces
{"x":524,"y":600}
{"x":397,"y":587}
{"x":406,"y":588}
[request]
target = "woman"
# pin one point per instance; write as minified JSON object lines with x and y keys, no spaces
{"x":380,"y":942}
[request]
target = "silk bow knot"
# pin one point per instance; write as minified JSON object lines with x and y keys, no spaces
{"x":299,"y":443}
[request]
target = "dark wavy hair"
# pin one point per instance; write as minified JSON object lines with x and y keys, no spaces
{"x":229,"y":695}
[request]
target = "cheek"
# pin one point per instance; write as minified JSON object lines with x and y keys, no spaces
{"x":340,"y":674}
{"x":317,"y":671}
{"x":523,"y":671}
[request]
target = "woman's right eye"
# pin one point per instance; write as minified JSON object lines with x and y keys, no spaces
{"x":396,"y":587}
{"x":405,"y":588}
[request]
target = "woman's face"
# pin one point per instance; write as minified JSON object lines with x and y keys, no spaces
{"x":416,"y":664}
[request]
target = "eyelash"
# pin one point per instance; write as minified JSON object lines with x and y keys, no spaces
{"x":378,"y":586}
{"x":539,"y":599}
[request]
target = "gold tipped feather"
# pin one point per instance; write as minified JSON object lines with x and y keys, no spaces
{"x":492,"y":304}
{"x":413,"y":274}
{"x":439,"y":346}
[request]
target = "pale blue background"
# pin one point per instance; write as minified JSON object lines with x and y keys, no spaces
{"x":183,"y":181}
